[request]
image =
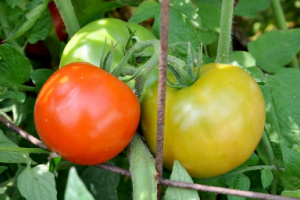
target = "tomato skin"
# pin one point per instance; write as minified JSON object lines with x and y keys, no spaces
{"x":85,"y":114}
{"x":212,"y":126}
{"x":88,"y":43}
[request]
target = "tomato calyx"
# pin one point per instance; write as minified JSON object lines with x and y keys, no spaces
{"x":185,"y":73}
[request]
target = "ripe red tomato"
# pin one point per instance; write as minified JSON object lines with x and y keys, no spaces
{"x":85,"y":114}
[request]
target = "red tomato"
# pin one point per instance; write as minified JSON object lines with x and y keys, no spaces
{"x":57,"y":21}
{"x":85,"y":114}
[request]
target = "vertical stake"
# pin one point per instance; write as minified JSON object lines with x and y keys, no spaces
{"x":163,"y":62}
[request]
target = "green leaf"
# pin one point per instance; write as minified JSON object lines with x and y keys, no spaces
{"x":273,"y":50}
{"x":183,"y":26}
{"x":29,"y":18}
{"x":180,"y":174}
{"x":246,"y":61}
{"x":266,"y":178}
{"x":14,"y":67}
{"x":142,"y":168}
{"x":3,"y":168}
{"x":20,"y":97}
{"x":248,"y":8}
{"x":291,"y":176}
{"x":10,"y":157}
{"x":210,"y":14}
{"x":240,"y":182}
{"x":41,"y":28}
{"x":76,"y":190}
{"x":101,"y":183}
{"x":282,"y":97}
{"x":295,"y":193}
{"x":40,"y":76}
{"x":89,"y":10}
{"x":36,"y":183}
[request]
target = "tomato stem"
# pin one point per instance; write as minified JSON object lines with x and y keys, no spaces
{"x":66,"y":11}
{"x":225,"y":32}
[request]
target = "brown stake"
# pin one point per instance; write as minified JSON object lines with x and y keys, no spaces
{"x":163,"y":62}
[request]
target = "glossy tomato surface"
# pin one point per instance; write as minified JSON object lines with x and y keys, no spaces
{"x":85,"y":114}
{"x":212,"y":126}
{"x":89,"y":42}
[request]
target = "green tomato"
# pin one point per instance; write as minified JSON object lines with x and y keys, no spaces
{"x":212,"y":126}
{"x":88,"y":43}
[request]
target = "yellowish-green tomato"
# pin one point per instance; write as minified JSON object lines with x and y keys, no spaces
{"x":212,"y":126}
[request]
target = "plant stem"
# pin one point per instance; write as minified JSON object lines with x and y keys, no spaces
{"x":20,"y":88}
{"x":277,"y":8}
{"x":66,"y":11}
{"x":225,"y":32}
{"x":272,"y":160}
{"x":23,"y":150}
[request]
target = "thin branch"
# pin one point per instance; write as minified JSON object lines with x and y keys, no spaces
{"x":163,"y":62}
{"x":23,"y":133}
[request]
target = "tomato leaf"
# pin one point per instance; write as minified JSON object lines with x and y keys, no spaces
{"x":76,"y":190}
{"x":291,"y":176}
{"x":37,"y":182}
{"x":41,"y":28}
{"x":240,"y":182}
{"x":247,"y":8}
{"x":29,"y":18}
{"x":180,"y":174}
{"x":101,"y":183}
{"x":275,"y":49}
{"x":40,"y":76}
{"x":282,"y":96}
{"x":10,"y":157}
{"x":14,"y":71}
{"x":266,"y":178}
{"x":210,"y":14}
{"x":184,"y":25}
{"x":295,"y":193}
{"x":142,"y":168}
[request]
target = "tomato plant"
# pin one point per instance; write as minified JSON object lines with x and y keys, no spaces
{"x":212,"y":126}
{"x":85,"y":114}
{"x":89,"y":42}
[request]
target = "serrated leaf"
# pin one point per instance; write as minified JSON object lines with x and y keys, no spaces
{"x":40,"y":76}
{"x":76,"y":190}
{"x":180,"y":174}
{"x":14,"y":67}
{"x":266,"y":178}
{"x":291,"y":176}
{"x":101,"y":183}
{"x":294,"y":194}
{"x":242,"y":58}
{"x":282,"y":97}
{"x":143,"y":172}
{"x":274,"y":49}
{"x":248,"y":8}
{"x":29,"y":19}
{"x":37,"y":183}
{"x":10,"y":157}
{"x":41,"y":28}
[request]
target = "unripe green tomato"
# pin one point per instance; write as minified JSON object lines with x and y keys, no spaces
{"x":212,"y":126}
{"x":88,"y":43}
